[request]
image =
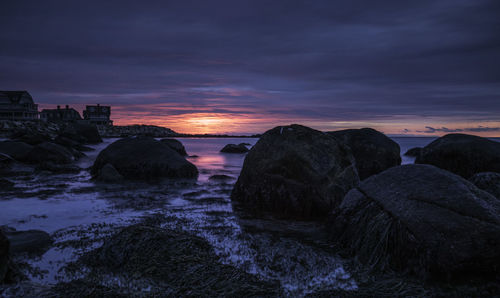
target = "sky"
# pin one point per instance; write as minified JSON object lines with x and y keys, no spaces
{"x":241,"y":67}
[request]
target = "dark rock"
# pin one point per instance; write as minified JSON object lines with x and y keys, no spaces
{"x":5,"y":161}
{"x":16,"y":150}
{"x":220,"y":177}
{"x":109,"y":174}
{"x":462,"y":154}
{"x":414,"y":152}
{"x":232,"y":148}
{"x":69,"y":143}
{"x":4,"y":256}
{"x":82,"y":133}
{"x":49,"y":152}
{"x":421,"y":220}
{"x":184,"y":263}
{"x":144,"y":158}
{"x":58,"y":168}
{"x":176,"y":145}
{"x":295,"y":172}
{"x":6,"y":184}
{"x":487,"y":181}
{"x":373,"y":151}
{"x":29,"y":241}
{"x":31,"y":137}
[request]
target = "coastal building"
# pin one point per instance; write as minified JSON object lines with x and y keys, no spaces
{"x":60,"y":115}
{"x":99,"y":115}
{"x":17,"y":105}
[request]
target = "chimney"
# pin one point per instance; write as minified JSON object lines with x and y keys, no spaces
{"x":58,"y":107}
{"x":67,"y":107}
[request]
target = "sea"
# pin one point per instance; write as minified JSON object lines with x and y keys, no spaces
{"x":79,"y":214}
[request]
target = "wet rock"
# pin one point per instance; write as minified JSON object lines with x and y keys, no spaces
{"x":5,"y":161}
{"x":30,"y":241}
{"x":462,"y":154}
{"x":58,"y":168}
{"x":414,"y":152}
{"x":487,"y":181}
{"x":295,"y":172}
{"x":421,"y":220}
{"x":373,"y":151}
{"x":16,"y":150}
{"x":108,"y":173}
{"x":49,"y":152}
{"x":175,"y":145}
{"x":233,"y":148}
{"x":31,"y":137}
{"x":220,"y":177}
{"x":6,"y":184}
{"x":4,"y":256}
{"x":81,"y":133}
{"x":144,"y":158}
{"x":184,"y":264}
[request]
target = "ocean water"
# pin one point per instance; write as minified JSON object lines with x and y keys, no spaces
{"x":79,"y":213}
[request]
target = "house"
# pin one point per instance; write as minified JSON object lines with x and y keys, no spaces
{"x":17,"y":105}
{"x":99,"y":115}
{"x":60,"y":115}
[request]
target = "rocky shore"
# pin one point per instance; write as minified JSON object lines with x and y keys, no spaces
{"x":426,"y":229}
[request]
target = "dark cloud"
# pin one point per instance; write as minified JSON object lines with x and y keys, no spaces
{"x":429,"y":129}
{"x":328,"y":60}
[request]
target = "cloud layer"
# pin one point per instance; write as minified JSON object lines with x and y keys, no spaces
{"x":330,"y":64}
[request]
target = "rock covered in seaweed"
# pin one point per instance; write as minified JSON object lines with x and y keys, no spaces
{"x":462,"y":154}
{"x":295,"y":172}
{"x":373,"y":151}
{"x":487,"y":181}
{"x":422,"y":220}
{"x":144,"y":158}
{"x":174,"y":263}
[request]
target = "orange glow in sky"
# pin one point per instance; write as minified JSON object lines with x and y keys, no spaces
{"x":183,"y":120}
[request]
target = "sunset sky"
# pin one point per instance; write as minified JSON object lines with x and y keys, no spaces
{"x":405,"y":68}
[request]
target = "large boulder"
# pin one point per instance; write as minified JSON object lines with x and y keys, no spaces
{"x":5,"y":161}
{"x":175,"y":145}
{"x":487,"y":181}
{"x":49,"y":152}
{"x":31,"y":137}
{"x":373,"y":151}
{"x":81,"y":133}
{"x":144,"y":158}
{"x":4,"y":256}
{"x":462,"y":154}
{"x":28,"y":241}
{"x":295,"y":172}
{"x":421,"y":220}
{"x":16,"y":150}
{"x":108,"y":173}
{"x":233,"y":148}
{"x":414,"y":152}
